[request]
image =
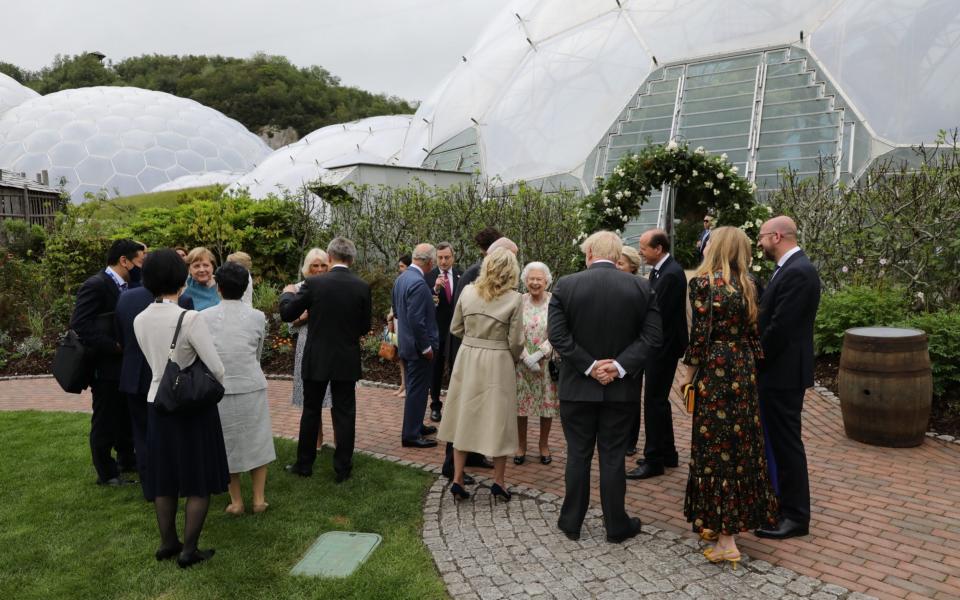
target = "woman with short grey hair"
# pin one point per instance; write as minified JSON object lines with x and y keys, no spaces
{"x":536,"y":390}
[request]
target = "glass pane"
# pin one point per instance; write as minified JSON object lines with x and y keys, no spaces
{"x":659,"y":87}
{"x":729,"y":89}
{"x":720,"y":116}
{"x":789,"y":68}
{"x":647,"y":125}
{"x":775,"y":82}
{"x":646,"y":112}
{"x":724,"y":65}
{"x":740,"y":127}
{"x":797,"y":151}
{"x":806,"y":165}
{"x":799,"y":122}
{"x":721,"y":78}
{"x":823,"y":134}
{"x":717,"y":143}
{"x":695,"y":106}
{"x":673,"y":72}
{"x":791,"y":95}
{"x":658,"y":99}
{"x":776,"y":56}
{"x":819,"y":105}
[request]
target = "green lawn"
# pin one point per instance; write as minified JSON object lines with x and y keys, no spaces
{"x":61,"y":536}
{"x":119,"y":206}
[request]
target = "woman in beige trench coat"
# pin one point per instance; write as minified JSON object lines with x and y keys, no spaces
{"x":480,"y":414}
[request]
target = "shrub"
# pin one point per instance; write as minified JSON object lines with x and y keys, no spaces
{"x":943,"y":334}
{"x":77,"y":248}
{"x":856,"y":306}
{"x":22,"y":238}
{"x":266,"y":298}
{"x":30,"y":345}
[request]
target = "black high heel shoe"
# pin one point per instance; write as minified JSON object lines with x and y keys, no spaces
{"x":499,"y":493}
{"x":165,"y":553}
{"x":198,"y":556}
{"x":458,"y":492}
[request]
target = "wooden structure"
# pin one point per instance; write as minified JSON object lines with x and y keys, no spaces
{"x":29,"y":200}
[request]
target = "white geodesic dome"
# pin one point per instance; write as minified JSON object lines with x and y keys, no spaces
{"x":374,"y":140}
{"x":12,"y":93}
{"x":548,"y":78}
{"x":121,"y":139}
{"x":209,"y":178}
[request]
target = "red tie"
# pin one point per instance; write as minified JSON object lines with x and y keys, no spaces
{"x":446,"y":286}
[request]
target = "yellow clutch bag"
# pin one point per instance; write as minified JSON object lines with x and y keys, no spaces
{"x":689,"y":396}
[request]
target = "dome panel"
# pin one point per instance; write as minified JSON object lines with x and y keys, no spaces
{"x":12,"y":93}
{"x":119,"y":136}
{"x":202,"y":180}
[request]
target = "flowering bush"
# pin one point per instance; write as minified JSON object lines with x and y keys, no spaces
{"x":704,"y":183}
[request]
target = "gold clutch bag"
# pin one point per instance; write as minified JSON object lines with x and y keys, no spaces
{"x":689,"y":396}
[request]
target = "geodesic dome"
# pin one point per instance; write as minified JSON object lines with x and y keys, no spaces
{"x":560,"y":89}
{"x":12,"y":93}
{"x":209,"y":178}
{"x":374,"y":140}
{"x":122,"y":139}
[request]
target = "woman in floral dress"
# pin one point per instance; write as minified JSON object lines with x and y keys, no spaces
{"x":728,"y":489}
{"x":536,"y":391}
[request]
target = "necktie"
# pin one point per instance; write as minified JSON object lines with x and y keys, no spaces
{"x":446,"y":286}
{"x":775,"y":271}
{"x":123,"y":286}
{"x":654,"y":274}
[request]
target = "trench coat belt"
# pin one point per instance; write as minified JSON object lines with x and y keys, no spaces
{"x":475,"y":342}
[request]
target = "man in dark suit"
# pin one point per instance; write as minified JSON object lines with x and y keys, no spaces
{"x":418,"y":342}
{"x":704,"y":236}
{"x":93,"y":320}
{"x":605,"y":325}
{"x":788,"y":309}
{"x":442,"y":280}
{"x":669,"y":283}
{"x":339,"y":306}
{"x":135,"y":374}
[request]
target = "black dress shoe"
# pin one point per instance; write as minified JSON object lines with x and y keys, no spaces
{"x":298,"y":470}
{"x":116,"y":482}
{"x":645,"y":471}
{"x":467,"y":480}
{"x":427,"y":430}
{"x":631,"y":451}
{"x":635,"y":526}
{"x":572,"y":535}
{"x":787,"y":528}
{"x":341,"y":477}
{"x":420,"y":442}
{"x":672,"y":464}
{"x":480,"y":463}
{"x":188,"y":560}
{"x":435,"y":416}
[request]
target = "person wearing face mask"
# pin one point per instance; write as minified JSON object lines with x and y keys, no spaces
{"x":134,"y":275}
{"x":201,"y":287}
{"x":316,"y":262}
{"x":536,"y":390}
{"x":93,"y":320}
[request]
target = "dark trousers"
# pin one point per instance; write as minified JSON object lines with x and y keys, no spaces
{"x":344,"y":413}
{"x":634,"y":437}
{"x":137,"y":407}
{"x":474,"y":459}
{"x":439,"y":367}
{"x":419,"y":372}
{"x":659,"y":447}
{"x":110,"y":428}
{"x":781,"y":413}
{"x":605,"y":425}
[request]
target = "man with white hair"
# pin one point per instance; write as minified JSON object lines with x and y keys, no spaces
{"x":418,"y":342}
{"x":605,"y":324}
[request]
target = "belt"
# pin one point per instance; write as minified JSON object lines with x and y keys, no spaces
{"x":475,"y":342}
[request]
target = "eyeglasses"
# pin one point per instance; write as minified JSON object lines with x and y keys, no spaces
{"x":760,"y":235}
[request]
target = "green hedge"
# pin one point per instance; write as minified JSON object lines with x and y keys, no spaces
{"x":855,"y":306}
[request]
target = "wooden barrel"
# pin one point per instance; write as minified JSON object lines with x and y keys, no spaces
{"x":886,"y":386}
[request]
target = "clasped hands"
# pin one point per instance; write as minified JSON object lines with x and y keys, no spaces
{"x":605,"y":371}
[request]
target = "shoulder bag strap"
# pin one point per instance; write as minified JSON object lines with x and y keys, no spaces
{"x":176,"y":333}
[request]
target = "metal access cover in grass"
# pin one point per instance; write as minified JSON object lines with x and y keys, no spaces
{"x":337,"y":554}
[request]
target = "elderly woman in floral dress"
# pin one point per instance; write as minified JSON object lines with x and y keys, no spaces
{"x":536,"y":390}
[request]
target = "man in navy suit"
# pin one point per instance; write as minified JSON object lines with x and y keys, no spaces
{"x":93,"y":320}
{"x":442,"y":280}
{"x":419,"y":342}
{"x":788,"y":308}
{"x":704,"y":236}
{"x":669,"y":284}
{"x":135,"y":374}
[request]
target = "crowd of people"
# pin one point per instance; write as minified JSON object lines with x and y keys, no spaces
{"x":599,"y":349}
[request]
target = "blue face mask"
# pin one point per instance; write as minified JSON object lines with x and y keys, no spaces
{"x":134,"y":274}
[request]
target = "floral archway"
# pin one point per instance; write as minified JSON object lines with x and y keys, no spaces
{"x":704,"y":184}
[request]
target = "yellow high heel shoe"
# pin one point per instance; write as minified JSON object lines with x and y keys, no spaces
{"x":719,"y":556}
{"x":709,"y":535}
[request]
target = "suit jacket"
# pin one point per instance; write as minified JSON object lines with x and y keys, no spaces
{"x":444,"y":308}
{"x":340,"y":307}
{"x":670,"y":288}
{"x":413,"y":306}
{"x":135,"y":373}
{"x":468,"y":277}
{"x":238,"y":331}
{"x":704,"y":236}
{"x":93,"y":321}
{"x":603,"y":313}
{"x":788,"y":309}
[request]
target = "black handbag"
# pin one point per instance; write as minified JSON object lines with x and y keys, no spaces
{"x":188,"y":390}
{"x":72,"y":363}
{"x":554,"y":368}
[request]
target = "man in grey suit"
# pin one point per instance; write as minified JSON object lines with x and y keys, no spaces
{"x":418,"y":341}
{"x":605,"y":324}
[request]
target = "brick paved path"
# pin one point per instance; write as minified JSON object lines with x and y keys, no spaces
{"x":886,"y":522}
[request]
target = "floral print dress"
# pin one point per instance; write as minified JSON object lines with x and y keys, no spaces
{"x":536,"y":392}
{"x":728,"y":489}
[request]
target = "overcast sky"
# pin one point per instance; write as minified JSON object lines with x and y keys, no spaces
{"x":399,"y":47}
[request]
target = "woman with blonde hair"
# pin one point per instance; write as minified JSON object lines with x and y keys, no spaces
{"x":316,"y":262}
{"x":728,"y":488}
{"x":629,"y":260}
{"x":201,"y":285}
{"x":481,"y":410}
